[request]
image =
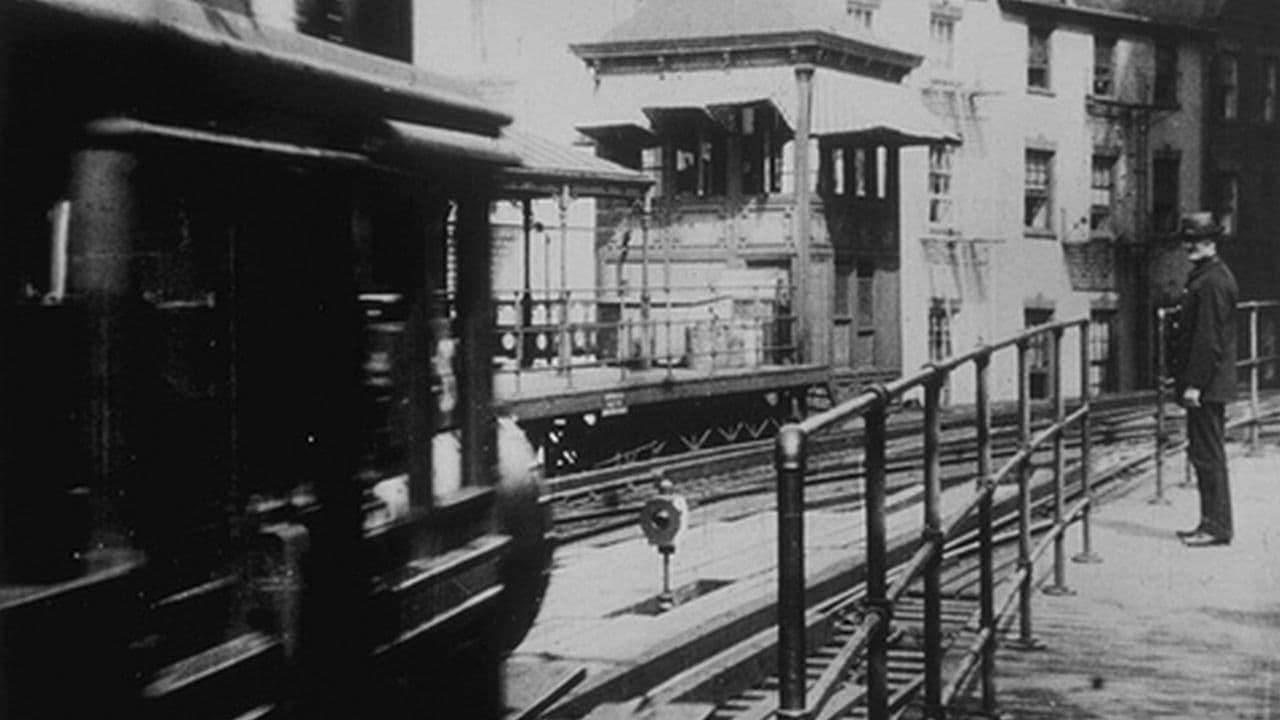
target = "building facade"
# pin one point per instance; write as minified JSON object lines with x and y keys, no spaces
{"x":1081,"y":130}
{"x":1242,"y":181}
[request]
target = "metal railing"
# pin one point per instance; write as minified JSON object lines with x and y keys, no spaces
{"x":697,"y":327}
{"x":873,"y":407}
{"x":1252,"y":312}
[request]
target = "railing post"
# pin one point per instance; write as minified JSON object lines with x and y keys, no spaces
{"x":1025,"y":639}
{"x":1059,"y":586}
{"x":566,"y":342}
{"x":1255,"y":429}
{"x":877,"y":562}
{"x":986,"y":569}
{"x":1086,"y":452}
{"x":1161,"y":423}
{"x":932,"y":535}
{"x":671,"y":360}
{"x":646,"y":311}
{"x":790,"y":464}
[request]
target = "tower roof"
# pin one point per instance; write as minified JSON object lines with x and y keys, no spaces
{"x":686,"y":19}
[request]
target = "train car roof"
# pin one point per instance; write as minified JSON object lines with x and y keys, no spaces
{"x":175,"y":47}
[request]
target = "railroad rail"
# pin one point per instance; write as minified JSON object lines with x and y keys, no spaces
{"x":589,"y":504}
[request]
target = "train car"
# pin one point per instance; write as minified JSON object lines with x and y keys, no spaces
{"x":246,"y":314}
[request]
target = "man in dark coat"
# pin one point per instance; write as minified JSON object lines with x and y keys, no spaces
{"x":1205,"y":373}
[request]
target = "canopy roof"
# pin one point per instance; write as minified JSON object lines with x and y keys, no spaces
{"x":546,"y":168}
{"x":673,"y":19}
{"x":845,"y":105}
{"x":682,"y":35}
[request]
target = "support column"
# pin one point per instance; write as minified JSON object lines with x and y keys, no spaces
{"x":474,"y":242}
{"x":528,"y":346}
{"x":101,"y":234}
{"x":803,"y":194}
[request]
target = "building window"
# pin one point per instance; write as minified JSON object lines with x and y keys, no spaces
{"x":941,"y":311}
{"x":855,"y":170}
{"x":1270,"y":89}
{"x":1104,"y":66}
{"x":1228,"y":204}
{"x":1164,"y":193}
{"x":862,"y":12}
{"x":1165,"y":91}
{"x":942,"y":34}
{"x":1102,"y":192}
{"x":1228,"y":87}
{"x":1039,"y":191}
{"x":699,"y":164}
{"x":1038,"y":58}
{"x":1038,"y":351}
{"x":761,"y":137}
{"x":940,"y":157}
{"x":1102,"y":365}
{"x":699,"y":150}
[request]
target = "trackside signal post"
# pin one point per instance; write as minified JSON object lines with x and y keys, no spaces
{"x":663,"y":519}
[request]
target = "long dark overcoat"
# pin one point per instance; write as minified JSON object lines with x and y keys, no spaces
{"x":1205,"y":354}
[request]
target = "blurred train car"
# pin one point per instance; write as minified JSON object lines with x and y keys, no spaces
{"x":246,"y":282}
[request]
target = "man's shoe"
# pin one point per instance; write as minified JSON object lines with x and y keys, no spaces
{"x":1184,"y":534}
{"x":1205,"y":539}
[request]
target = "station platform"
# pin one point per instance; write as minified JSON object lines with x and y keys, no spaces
{"x":1158,"y":629}
{"x":1155,"y":630}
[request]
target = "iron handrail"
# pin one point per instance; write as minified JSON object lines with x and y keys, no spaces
{"x":795,"y":700}
{"x":872,"y":406}
{"x":1253,"y":361}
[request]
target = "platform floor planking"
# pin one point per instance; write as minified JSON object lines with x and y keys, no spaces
{"x":1159,"y":630}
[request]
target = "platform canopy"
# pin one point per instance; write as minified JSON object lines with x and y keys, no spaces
{"x":547,"y":168}
{"x":845,"y":105}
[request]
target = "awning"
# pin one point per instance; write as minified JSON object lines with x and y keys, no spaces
{"x":879,"y":112}
{"x":547,"y":167}
{"x":635,"y":104}
{"x":850,"y":106}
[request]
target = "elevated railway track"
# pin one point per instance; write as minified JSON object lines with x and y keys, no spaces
{"x":914,"y":625}
{"x":589,"y":504}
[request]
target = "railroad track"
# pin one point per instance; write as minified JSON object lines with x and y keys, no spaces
{"x":730,"y":685}
{"x":730,"y":680}
{"x":590,"y":504}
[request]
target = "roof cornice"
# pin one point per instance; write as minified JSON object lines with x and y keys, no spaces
{"x":812,"y":47}
{"x":1066,"y":10}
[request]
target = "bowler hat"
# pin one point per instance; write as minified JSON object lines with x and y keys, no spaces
{"x":1197,"y":225}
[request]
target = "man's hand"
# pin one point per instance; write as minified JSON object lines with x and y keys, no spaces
{"x":1191,"y":397}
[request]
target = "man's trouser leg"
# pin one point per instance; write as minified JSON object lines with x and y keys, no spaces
{"x":1205,"y":436}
